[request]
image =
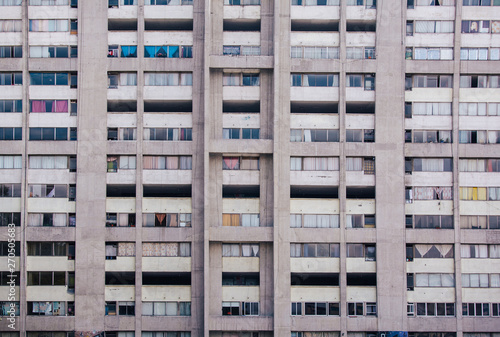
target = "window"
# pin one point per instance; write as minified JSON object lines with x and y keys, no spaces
{"x":50,"y":78}
{"x":245,"y":220}
{"x":367,"y":135}
{"x":479,"y":81}
{"x":473,"y":193}
{"x":427,"y":109}
{"x":480,"y":280}
{"x":10,"y":2}
{"x":367,"y":3}
{"x":314,"y":220}
{"x":52,"y":134}
{"x":51,"y":308}
{"x":5,"y":307}
{"x":474,"y":54}
{"x":240,"y":250}
{"x":168,"y":51}
{"x":432,"y":27}
{"x":49,"y":191}
{"x":120,"y":219}
{"x":433,"y":309}
{"x":168,"y":134}
{"x":361,"y":250}
{"x":319,"y":308}
{"x":476,"y":309}
{"x":314,"y":163}
{"x":429,"y":81}
{"x":360,"y":81}
{"x":361,"y":309}
{"x":241,"y":50}
{"x":428,"y":193}
{"x":315,"y":52}
{"x":10,"y":162}
{"x":53,"y":162}
{"x":48,"y":2}
{"x":119,"y":249}
{"x":241,"y":2}
{"x":480,"y":222}
{"x":481,"y":3}
{"x":10,"y":133}
{"x":124,"y":308}
{"x":49,"y":106}
{"x":240,"y":308}
{"x":240,"y":163}
{"x":10,"y":26}
{"x":166,"y":309}
{"x":429,"y":136}
{"x":46,"y":278}
{"x":48,"y":25}
{"x":166,"y":220}
{"x":480,"y":251}
{"x":13,"y":78}
{"x":7,"y":218}
{"x":434,"y":280}
{"x":121,"y":162}
{"x":122,"y":133}
{"x":168,"y":79}
{"x":167,"y":162}
{"x":168,"y":2}
{"x":166,"y":249}
{"x":121,"y":79}
{"x":314,"y":250}
{"x":358,"y":53}
{"x":429,"y":53}
{"x":428,"y":165}
{"x":52,"y":249}
{"x":360,"y":221}
{"x":479,"y":137}
{"x":315,"y":3}
{"x":314,"y":80}
{"x":479,"y":109}
{"x":122,"y":51}
{"x":234,"y":133}
{"x":424,"y":251}
{"x":11,"y":105}
{"x":240,"y":79}
{"x":480,"y":26}
{"x":314,"y":135}
{"x":51,"y":220}
{"x":11,"y":51}
{"x":429,"y":221}
{"x":10,"y":190}
{"x":367,"y":165}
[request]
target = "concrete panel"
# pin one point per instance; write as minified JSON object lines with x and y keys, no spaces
{"x":120,"y":205}
{"x":314,"y":121}
{"x":10,"y":205}
{"x":48,"y":205}
{"x":314,"y":178}
{"x":53,"y":12}
{"x":12,"y":120}
{"x":122,"y":263}
{"x":240,"y":177}
{"x":361,"y":294}
{"x":479,"y":179}
{"x":179,"y":264}
{"x":11,"y":39}
{"x":479,"y":122}
{"x":166,"y":293}
{"x":52,"y":263}
{"x":428,"y":294}
{"x":48,"y":293}
{"x":317,"y":94}
{"x":181,"y":38}
{"x":360,"y":206}
{"x":314,"y":294}
{"x":481,"y":295}
{"x":434,"y":12}
{"x":241,"y":93}
{"x":240,"y":205}
{"x":168,"y":93}
{"x":241,"y":120}
{"x":11,"y":175}
{"x":11,"y":12}
{"x":359,"y":265}
{"x":166,"y":205}
{"x":353,"y":121}
{"x":242,"y":12}
{"x":358,"y":178}
{"x":360,"y":13}
{"x":51,"y":39}
{"x":314,"y":206}
{"x":184,"y":120}
{"x":121,"y":177}
{"x":167,"y":176}
{"x":429,"y":95}
{"x":240,"y":264}
{"x":480,"y":265}
{"x":51,"y":120}
{"x":122,"y":38}
{"x":430,"y":40}
{"x":430,"y":207}
{"x":314,"y":265}
{"x":168,"y":12}
{"x":241,"y":38}
{"x":429,"y":123}
{"x":11,"y":92}
{"x":5,"y":292}
{"x":432,"y":179}
{"x":430,"y":266}
{"x":241,"y":293}
{"x":123,"y":12}
{"x":360,"y":39}
{"x":311,"y":39}
{"x":479,"y":207}
{"x":479,"y":95}
{"x":242,"y":146}
{"x":480,"y":40}
{"x":316,"y":12}
{"x":123,"y":92}
{"x":48,"y":91}
{"x":5,"y":265}
{"x":119,"y":293}
{"x":325,"y":235}
{"x":483,"y":12}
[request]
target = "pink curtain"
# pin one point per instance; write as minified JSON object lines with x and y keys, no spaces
{"x":60,"y":106}
{"x":232,"y":163}
{"x":37,"y":106}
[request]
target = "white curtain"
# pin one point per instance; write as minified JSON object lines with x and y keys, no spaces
{"x":444,"y":26}
{"x":309,"y":220}
{"x":35,"y":219}
{"x":494,"y":280}
{"x":159,"y":308}
{"x":494,"y":251}
{"x":48,"y":162}
{"x":348,"y":222}
{"x":185,"y":249}
{"x":246,"y":250}
{"x":354,"y":164}
{"x":295,"y":163}
{"x":295,"y":221}
{"x":60,"y":162}
{"x":424,"y":26}
{"x":324,"y":221}
{"x":309,"y":164}
{"x":446,"y":53}
{"x":128,"y":78}
{"x":187,"y":79}
{"x":295,"y":249}
{"x":60,"y":220}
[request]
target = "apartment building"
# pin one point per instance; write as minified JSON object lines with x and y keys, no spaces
{"x":250,"y":168}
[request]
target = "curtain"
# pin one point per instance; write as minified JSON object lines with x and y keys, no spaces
{"x":310,"y":220}
{"x":494,"y":280}
{"x":185,"y":249}
{"x":246,"y":250}
{"x":295,"y":221}
{"x":309,"y":164}
{"x":159,"y":308}
{"x":60,"y":162}
{"x":187,"y":79}
{"x":295,"y":164}
{"x":35,"y":219}
{"x":354,"y":164}
{"x":231,"y":163}
{"x":128,"y":79}
{"x":59,"y":220}
{"x":172,"y":249}
{"x":172,"y":162}
{"x":35,"y":162}
{"x":424,"y":26}
{"x":126,"y":249}
{"x":494,"y":251}
{"x":38,"y":106}
{"x":348,"y":223}
{"x":111,"y":250}
{"x":295,"y":249}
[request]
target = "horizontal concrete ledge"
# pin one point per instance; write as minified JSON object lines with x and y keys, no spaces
{"x":50,"y":233}
{"x":477,"y":67}
{"x":13,"y":64}
{"x":241,"y":234}
{"x":428,"y":150}
{"x":317,"y":235}
{"x":150,"y":64}
{"x":320,"y":323}
{"x":479,"y":150}
{"x":362,"y":323}
{"x":479,"y":236}
{"x":49,"y":64}
{"x":241,"y":62}
{"x":163,"y":323}
{"x":158,"y":234}
{"x":254,"y":146}
{"x":314,"y":149}
{"x":120,"y":234}
{"x":240,"y":323}
{"x":49,"y":323}
{"x":120,"y":322}
{"x":480,"y":324}
{"x":51,"y":147}
{"x":422,"y":235}
{"x":426,"y":67}
{"x":11,"y":147}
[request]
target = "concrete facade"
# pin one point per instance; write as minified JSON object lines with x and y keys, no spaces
{"x":250,"y":168}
